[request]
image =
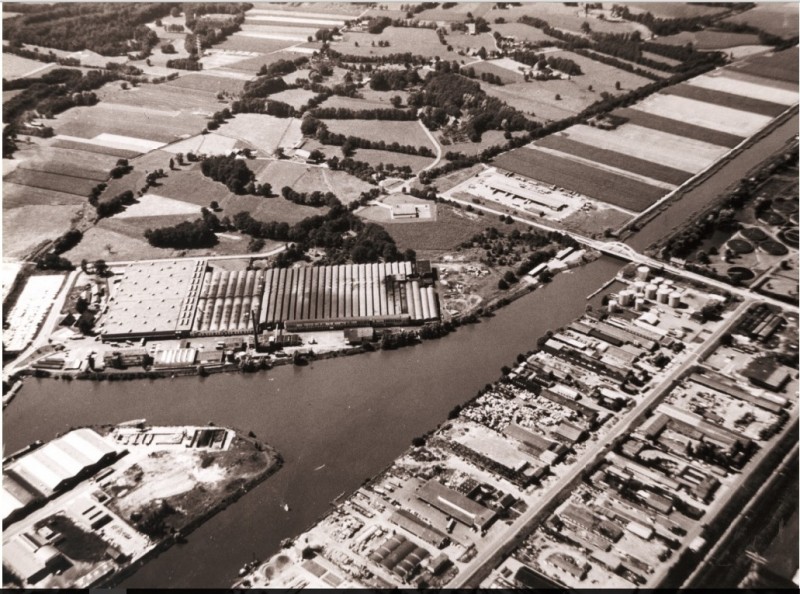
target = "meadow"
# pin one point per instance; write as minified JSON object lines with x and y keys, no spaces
{"x":403,"y":132}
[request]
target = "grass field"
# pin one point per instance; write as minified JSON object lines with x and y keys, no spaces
{"x":782,"y":66}
{"x":153,"y":205}
{"x":52,"y":181}
{"x":294,"y":97}
{"x":208,"y":84}
{"x":706,"y":115}
{"x":709,"y":40}
{"x":266,"y":133}
{"x":574,"y":95}
{"x":560,"y":16}
{"x":89,"y":122}
{"x":270,"y":209}
{"x":651,"y":145}
{"x":734,"y":101}
{"x":18,"y":67}
{"x":452,"y":227}
{"x":498,"y":68}
{"x":776,"y":18}
{"x":63,"y":161}
{"x":423,"y":42}
{"x":654,"y":170}
{"x":747,"y":86}
{"x":240,"y":43}
{"x":304,"y":178}
{"x":93,"y":149}
{"x":521,"y":32}
{"x":398,"y":159}
{"x":370,"y":100}
{"x":674,"y":10}
{"x":209,"y":144}
{"x":25,"y":227}
{"x":457,"y":13}
{"x":580,"y":178}
{"x":408,"y":132}
{"x":488,"y":138}
{"x":466,"y":42}
{"x":160,"y":97}
{"x":15,"y":195}
{"x":662,"y":124}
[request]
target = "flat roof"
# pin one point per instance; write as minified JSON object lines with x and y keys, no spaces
{"x":453,"y":503}
{"x":154,"y":297}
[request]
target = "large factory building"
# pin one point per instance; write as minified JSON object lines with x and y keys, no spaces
{"x":181,"y":298}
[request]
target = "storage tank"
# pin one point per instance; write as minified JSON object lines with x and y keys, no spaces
{"x":639,"y":286}
{"x":625,"y":297}
{"x":650,"y":291}
{"x":642,"y":272}
{"x":433,"y":306}
{"x":638,"y":304}
{"x":675,"y":299}
{"x":663,"y":294}
{"x":415,"y":295}
{"x":612,"y":306}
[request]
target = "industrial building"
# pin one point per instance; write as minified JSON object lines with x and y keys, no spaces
{"x":154,"y":299}
{"x":322,"y":297}
{"x":519,"y":191}
{"x":454,"y":504}
{"x":42,"y":473}
{"x":183,"y":298}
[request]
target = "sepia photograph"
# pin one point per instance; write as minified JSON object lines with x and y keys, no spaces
{"x":379,"y":295}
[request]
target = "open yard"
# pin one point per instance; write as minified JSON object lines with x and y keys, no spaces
{"x":265,"y":133}
{"x":583,"y":179}
{"x":782,"y":66}
{"x":734,"y":101}
{"x":452,"y":227}
{"x":706,"y":115}
{"x":673,"y":151}
{"x":403,"y":132}
{"x":747,"y":86}
{"x":679,"y":128}
{"x":655,"y":170}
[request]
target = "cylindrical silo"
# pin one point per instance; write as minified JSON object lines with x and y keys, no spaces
{"x":642,"y":272}
{"x":433,"y":306}
{"x":612,"y":306}
{"x":639,"y":304}
{"x":675,"y":299}
{"x":663,"y":294}
{"x":650,"y":291}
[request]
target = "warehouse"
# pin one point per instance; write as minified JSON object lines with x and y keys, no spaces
{"x":334,"y":297}
{"x":54,"y":467}
{"x":456,"y":505}
{"x":400,"y":556}
{"x":154,"y":299}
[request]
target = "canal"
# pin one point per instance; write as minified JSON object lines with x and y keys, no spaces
{"x":336,"y":422}
{"x":698,"y":198}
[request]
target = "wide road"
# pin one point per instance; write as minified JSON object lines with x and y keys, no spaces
{"x":497,"y":548}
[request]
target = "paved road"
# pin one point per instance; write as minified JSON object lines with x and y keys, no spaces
{"x":195,"y":258}
{"x":490,"y":547}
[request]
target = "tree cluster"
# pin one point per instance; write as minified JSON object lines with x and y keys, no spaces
{"x":186,"y":235}
{"x":108,"y":28}
{"x":345,"y":113}
{"x":315,"y":198}
{"x":393,"y":80}
{"x":229,"y":170}
{"x":115,"y":205}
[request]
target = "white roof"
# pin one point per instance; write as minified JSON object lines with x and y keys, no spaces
{"x":9,"y":503}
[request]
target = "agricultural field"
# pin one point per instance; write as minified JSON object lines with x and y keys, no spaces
{"x":375,"y":158}
{"x":78,"y":186}
{"x":373,"y":100}
{"x":457,"y":13}
{"x":466,"y":42}
{"x":167,"y":99}
{"x":265,"y":133}
{"x":779,"y":19}
{"x":243,"y":43}
{"x":577,"y":177}
{"x":18,"y":67}
{"x":208,"y":144}
{"x":521,"y":32}
{"x":705,"y":115}
{"x":679,"y":128}
{"x":403,"y":132}
{"x":340,"y":10}
{"x":729,"y":81}
{"x":16,"y":195}
{"x":153,"y":205}
{"x":567,"y":18}
{"x":655,"y":170}
{"x":208,"y":83}
{"x":733,"y":100}
{"x":68,"y":162}
{"x":779,"y":66}
{"x":667,"y":149}
{"x":303,"y":178}
{"x":709,"y":39}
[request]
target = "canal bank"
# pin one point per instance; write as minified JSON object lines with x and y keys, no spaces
{"x":336,"y":422}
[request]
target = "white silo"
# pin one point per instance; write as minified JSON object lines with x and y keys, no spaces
{"x":650,"y":291}
{"x":663,"y":294}
{"x":642,"y":272}
{"x":675,"y":299}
